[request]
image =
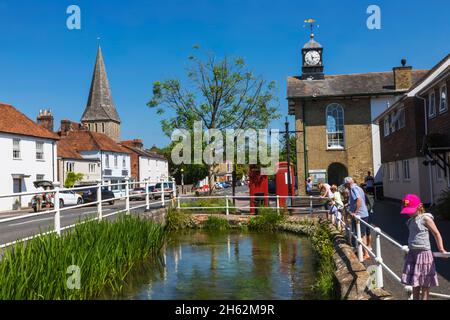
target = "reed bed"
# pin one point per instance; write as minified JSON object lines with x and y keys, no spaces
{"x":105,"y":252}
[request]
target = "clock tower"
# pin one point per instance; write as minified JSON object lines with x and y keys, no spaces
{"x":312,"y":62}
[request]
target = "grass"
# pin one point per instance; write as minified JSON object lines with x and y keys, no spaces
{"x":104,"y":251}
{"x":216,"y":224}
{"x":266,"y":220}
{"x":210,"y":205}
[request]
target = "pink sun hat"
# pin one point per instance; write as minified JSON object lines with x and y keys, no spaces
{"x":410,"y":204}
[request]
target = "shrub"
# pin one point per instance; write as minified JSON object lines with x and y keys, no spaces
{"x":216,"y":224}
{"x":266,"y":220}
{"x":211,"y":205}
{"x":176,"y":220}
{"x":443,"y":204}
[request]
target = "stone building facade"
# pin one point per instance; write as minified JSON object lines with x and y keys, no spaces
{"x":334,"y":117}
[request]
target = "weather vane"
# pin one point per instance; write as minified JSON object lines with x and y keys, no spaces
{"x":311,"y":23}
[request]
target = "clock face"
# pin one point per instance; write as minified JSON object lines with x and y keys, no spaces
{"x":312,"y":58}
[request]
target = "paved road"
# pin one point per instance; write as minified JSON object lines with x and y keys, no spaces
{"x":387,"y":217}
{"x":19,"y":229}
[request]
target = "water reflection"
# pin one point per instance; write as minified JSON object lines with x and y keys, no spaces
{"x":200,"y":265}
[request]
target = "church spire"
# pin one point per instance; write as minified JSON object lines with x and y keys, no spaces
{"x":100,"y":106}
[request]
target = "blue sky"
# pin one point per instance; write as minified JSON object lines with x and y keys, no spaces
{"x":43,"y":64}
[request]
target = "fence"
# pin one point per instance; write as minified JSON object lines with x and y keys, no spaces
{"x":55,"y":196}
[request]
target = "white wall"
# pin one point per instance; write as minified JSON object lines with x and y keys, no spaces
{"x":27,"y":166}
{"x":80,"y":166}
{"x":116,"y":171}
{"x":377,"y":106}
{"x":154,"y":169}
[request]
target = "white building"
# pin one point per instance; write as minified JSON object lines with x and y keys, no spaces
{"x":28,"y":153}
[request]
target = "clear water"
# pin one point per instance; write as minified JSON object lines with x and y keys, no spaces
{"x":200,"y":265}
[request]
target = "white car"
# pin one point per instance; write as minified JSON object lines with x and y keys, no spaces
{"x":69,"y":198}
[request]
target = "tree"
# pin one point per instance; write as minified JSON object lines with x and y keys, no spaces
{"x":292,"y":151}
{"x":72,"y":178}
{"x":223,"y":94}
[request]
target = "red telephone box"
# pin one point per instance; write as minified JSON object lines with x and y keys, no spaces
{"x":281,"y":180}
{"x":259,"y":186}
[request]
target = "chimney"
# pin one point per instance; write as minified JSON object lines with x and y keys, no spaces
{"x":45,"y":119}
{"x":66,"y":126}
{"x":135,"y":143}
{"x":403,"y":76}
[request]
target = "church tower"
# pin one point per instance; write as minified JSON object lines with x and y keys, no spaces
{"x":100,"y":114}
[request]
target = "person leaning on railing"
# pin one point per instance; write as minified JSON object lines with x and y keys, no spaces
{"x":419,"y":270}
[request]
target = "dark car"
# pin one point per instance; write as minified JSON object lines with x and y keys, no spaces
{"x":90,"y":195}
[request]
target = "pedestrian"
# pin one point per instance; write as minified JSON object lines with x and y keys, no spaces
{"x":309,"y":186}
{"x":369,"y":181}
{"x":337,"y":205}
{"x":358,"y":208}
{"x":419,"y":270}
{"x":325,"y":192}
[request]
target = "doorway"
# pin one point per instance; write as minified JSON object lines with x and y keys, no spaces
{"x":17,"y":188}
{"x":337,"y":173}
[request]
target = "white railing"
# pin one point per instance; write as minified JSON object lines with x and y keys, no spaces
{"x":55,"y":196}
{"x":377,"y":256}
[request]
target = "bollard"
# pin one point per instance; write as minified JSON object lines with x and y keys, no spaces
{"x":99,"y":201}
{"x":278,"y":204}
{"x":358,"y":235}
{"x":57,"y":212}
{"x":227,"y":206}
{"x":310,"y":205}
{"x":379,"y":259}
{"x":147,"y":197}
{"x":127,"y":195}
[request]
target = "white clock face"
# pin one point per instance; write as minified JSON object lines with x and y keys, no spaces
{"x":312,"y":58}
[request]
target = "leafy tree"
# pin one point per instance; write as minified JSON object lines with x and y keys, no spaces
{"x":72,"y":178}
{"x":292,"y":151}
{"x":222,"y":94}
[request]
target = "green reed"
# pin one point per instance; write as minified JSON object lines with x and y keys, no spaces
{"x":104,"y":251}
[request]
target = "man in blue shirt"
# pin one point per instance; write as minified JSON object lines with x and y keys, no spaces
{"x":357,"y":207}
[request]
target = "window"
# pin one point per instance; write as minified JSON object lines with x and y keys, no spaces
{"x":443,"y":102}
{"x":391,"y":171}
{"x":40,"y":177}
{"x":431,"y":105}
{"x":397,"y":170}
{"x":401,"y":119}
{"x":115,"y":162}
{"x":39,"y":150}
{"x":92,"y":167}
{"x":70,"y":166}
{"x":335,"y":126}
{"x":386,"y":126}
{"x":124,"y":162}
{"x":107,"y":161}
{"x":103,"y":127}
{"x":406,"y":172}
{"x":392,"y":122}
{"x":16,"y":149}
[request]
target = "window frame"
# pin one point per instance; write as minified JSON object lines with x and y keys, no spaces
{"x":17,"y":154}
{"x":391,"y":171}
{"x":403,"y":117}
{"x":397,"y":171}
{"x":42,"y":176}
{"x":406,"y":174}
{"x":124,"y":162}
{"x":387,"y":125}
{"x":116,"y":161}
{"x":443,"y":86}
{"x":340,"y":108}
{"x":40,"y":153}
{"x":431,"y":94}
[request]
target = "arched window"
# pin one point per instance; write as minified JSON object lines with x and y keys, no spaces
{"x":335,"y":126}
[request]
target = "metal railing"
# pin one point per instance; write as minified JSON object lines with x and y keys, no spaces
{"x":377,"y":255}
{"x":55,"y":196}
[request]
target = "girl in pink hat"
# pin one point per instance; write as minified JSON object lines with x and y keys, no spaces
{"x":419,"y":270}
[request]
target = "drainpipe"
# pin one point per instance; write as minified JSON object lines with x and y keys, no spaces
{"x":430,"y":172}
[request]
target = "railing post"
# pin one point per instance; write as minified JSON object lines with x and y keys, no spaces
{"x":163,"y":200}
{"x":358,"y":236}
{"x":227,"y":205}
{"x":57,"y":212}
{"x":379,"y":259}
{"x":278,"y":204}
{"x":127,"y":195}
{"x":99,"y":201}
{"x":147,"y":197}
{"x":178,"y":203}
{"x":310,"y":205}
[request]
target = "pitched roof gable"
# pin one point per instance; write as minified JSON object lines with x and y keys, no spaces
{"x":79,"y":141}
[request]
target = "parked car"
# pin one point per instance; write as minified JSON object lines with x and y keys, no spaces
{"x":218,"y":185}
{"x":90,"y":195}
{"x":169,"y":190}
{"x":46,"y":199}
{"x":226,"y":185}
{"x":137,"y":194}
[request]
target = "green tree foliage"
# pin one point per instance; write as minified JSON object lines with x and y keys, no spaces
{"x":72,"y":178}
{"x":222,"y":93}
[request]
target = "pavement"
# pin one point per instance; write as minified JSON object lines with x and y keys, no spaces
{"x":387,"y":217}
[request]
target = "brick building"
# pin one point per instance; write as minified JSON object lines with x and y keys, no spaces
{"x":335,"y":115}
{"x":415,"y":141}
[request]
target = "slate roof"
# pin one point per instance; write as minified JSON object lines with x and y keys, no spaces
{"x":376,"y":83}
{"x":144,"y":153}
{"x":15,"y":122}
{"x":100,"y":105}
{"x":76,"y":141}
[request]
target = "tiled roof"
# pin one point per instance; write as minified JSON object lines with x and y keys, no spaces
{"x":67,"y":151}
{"x":77,"y":141}
{"x":375,"y":83}
{"x":15,"y":122}
{"x":100,"y":105}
